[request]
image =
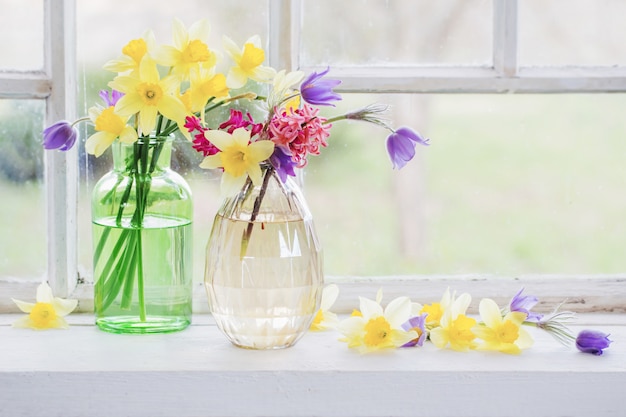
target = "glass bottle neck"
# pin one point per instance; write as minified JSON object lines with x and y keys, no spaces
{"x":147,"y":155}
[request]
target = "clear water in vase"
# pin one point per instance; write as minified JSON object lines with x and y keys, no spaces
{"x":160,"y":301}
{"x":266,"y":297}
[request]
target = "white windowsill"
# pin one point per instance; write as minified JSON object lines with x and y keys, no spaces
{"x":83,"y":371}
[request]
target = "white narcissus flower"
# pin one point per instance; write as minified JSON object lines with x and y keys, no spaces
{"x":325,"y":319}
{"x":46,"y":313}
{"x":376,"y":328}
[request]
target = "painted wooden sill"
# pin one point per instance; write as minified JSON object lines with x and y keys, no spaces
{"x":85,"y":372}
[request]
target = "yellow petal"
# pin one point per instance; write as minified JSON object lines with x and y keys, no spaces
{"x":129,"y":105}
{"x":231,"y":185}
{"x":99,"y":142}
{"x":222,"y":140}
{"x":147,"y":119}
{"x":255,"y":173}
{"x":148,"y":71}
{"x":128,"y":135}
{"x":125,"y":84}
{"x":260,"y":150}
{"x":211,"y":162}
{"x":172,"y":108}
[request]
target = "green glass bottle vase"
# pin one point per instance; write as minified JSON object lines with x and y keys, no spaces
{"x":141,"y":214}
{"x":264,"y":274}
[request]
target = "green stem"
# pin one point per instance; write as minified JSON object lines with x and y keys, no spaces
{"x":255,"y":212}
{"x":140,"y":284}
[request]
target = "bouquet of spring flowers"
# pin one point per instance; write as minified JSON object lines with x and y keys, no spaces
{"x":162,"y":89}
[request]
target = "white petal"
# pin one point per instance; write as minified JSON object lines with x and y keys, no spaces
{"x":329,"y":296}
{"x":23,"y":323}
{"x":490,"y":313}
{"x":459,"y":306}
{"x":370,"y":308}
{"x":222,"y":140}
{"x":64,"y":307}
{"x":44,"y":293}
{"x":398,"y":311}
{"x":23,"y":306}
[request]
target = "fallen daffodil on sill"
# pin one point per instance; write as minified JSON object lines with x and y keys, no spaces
{"x":47,"y":313}
{"x":503,"y":334}
{"x":447,"y":325}
{"x":324,"y":318}
{"x":378,"y":328}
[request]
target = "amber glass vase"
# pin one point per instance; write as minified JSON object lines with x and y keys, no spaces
{"x":264,"y":265}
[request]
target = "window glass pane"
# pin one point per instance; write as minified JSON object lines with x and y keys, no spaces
{"x":378,"y":32}
{"x":238,"y":20}
{"x":511,"y":184}
{"x":566,"y":32}
{"x":23,"y":240}
{"x":21,"y":31}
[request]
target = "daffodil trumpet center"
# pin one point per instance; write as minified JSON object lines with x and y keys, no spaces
{"x":377,"y":331}
{"x":42,"y":315}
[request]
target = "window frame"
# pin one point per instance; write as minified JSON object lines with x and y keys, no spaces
{"x":56,"y":84}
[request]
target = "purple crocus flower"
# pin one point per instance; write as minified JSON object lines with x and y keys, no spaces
{"x":523,"y":304}
{"x":60,"y":135}
{"x":416,"y":323}
{"x":318,"y":91}
{"x":592,"y":341}
{"x":110,"y":97}
{"x":401,"y":146}
{"x":283,"y":163}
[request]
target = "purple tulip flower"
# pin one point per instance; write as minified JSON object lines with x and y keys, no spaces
{"x":283,"y":163}
{"x":523,"y":304}
{"x":416,"y":323}
{"x":592,"y":341}
{"x":318,"y":91}
{"x":401,"y":146}
{"x":60,"y":135}
{"x":110,"y":97}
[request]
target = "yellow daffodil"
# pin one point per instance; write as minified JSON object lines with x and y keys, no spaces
{"x":282,"y":89}
{"x":325,"y":319}
{"x":435,"y":310}
{"x":248,"y":62}
{"x":238,"y":157}
{"x":149,"y":95}
{"x":504,"y":334}
{"x":206,"y":84}
{"x":376,"y":328}
{"x":455,"y":329}
{"x":47,"y":312}
{"x":109,"y":126}
{"x":190,"y":49}
{"x":133,"y":52}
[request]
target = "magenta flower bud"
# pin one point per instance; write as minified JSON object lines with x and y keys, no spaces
{"x":318,"y":91}
{"x":401,"y":146}
{"x":60,"y":135}
{"x":592,"y":341}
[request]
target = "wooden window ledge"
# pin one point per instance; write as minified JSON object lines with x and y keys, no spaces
{"x":86,"y":372}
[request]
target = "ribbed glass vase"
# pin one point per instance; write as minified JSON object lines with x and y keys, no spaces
{"x":141,"y":214}
{"x":264,"y":273}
